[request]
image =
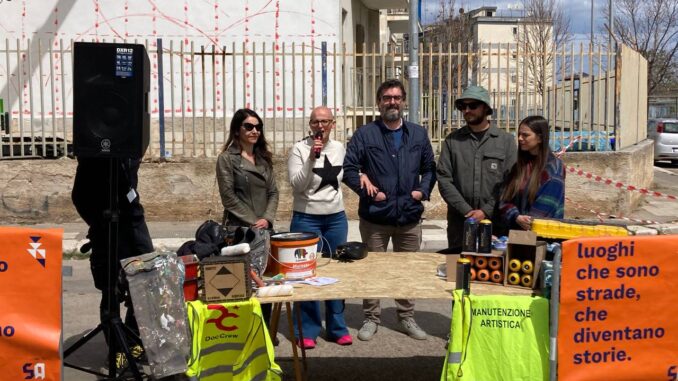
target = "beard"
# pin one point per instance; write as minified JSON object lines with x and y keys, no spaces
{"x":473,"y":120}
{"x":391,"y":114}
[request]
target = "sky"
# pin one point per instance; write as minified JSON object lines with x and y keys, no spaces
{"x":579,"y":12}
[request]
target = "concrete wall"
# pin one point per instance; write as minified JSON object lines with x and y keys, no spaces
{"x":631,"y":166}
{"x":37,"y":191}
{"x":632,"y":98}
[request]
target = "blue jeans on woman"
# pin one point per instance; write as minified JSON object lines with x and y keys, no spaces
{"x":333,"y":230}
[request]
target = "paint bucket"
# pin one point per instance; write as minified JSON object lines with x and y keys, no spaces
{"x":293,"y":254}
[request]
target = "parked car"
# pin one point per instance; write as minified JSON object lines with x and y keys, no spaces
{"x":664,"y":132}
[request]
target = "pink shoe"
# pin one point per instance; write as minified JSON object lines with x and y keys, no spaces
{"x":345,"y":340}
{"x":306,"y":343}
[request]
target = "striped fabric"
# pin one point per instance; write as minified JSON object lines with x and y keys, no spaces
{"x":550,"y":198}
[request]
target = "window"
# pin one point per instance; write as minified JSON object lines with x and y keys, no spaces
{"x":515,"y":30}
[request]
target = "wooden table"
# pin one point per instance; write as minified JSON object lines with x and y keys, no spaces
{"x":404,"y":275}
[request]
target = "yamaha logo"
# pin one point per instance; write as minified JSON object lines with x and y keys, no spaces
{"x":106,"y":145}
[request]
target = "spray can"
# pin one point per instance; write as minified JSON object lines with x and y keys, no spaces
{"x":485,"y":236}
{"x":470,"y":237}
{"x":463,"y":281}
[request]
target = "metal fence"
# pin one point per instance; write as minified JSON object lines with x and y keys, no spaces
{"x":203,"y":86}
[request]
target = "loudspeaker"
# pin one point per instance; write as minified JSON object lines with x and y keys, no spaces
{"x":110,"y":100}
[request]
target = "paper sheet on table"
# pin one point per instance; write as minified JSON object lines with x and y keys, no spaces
{"x":316,"y":281}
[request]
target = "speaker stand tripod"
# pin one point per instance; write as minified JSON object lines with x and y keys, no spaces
{"x":116,"y":332}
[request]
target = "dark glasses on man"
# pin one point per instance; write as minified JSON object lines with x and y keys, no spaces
{"x":461,"y":106}
{"x":250,"y":126}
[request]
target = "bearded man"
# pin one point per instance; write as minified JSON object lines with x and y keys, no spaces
{"x":389,"y":163}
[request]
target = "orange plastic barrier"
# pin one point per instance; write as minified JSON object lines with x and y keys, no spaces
{"x":30,"y":294}
{"x":618,"y":309}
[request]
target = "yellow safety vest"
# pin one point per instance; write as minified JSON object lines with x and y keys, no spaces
{"x":230,"y":342}
{"x":498,"y":337}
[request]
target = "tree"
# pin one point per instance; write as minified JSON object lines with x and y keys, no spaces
{"x":545,"y":29}
{"x":451,"y":29}
{"x":651,"y":28}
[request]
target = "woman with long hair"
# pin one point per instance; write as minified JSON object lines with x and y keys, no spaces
{"x":245,"y":174}
{"x":535,"y":186}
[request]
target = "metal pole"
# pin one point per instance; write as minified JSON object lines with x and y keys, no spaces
{"x":161,"y":100}
{"x":592,"y":6}
{"x":554,"y":310}
{"x":414,"y":62}
{"x":323,"y":46}
{"x":610,"y":23}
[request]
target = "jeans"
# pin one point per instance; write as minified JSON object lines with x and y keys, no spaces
{"x":333,"y":230}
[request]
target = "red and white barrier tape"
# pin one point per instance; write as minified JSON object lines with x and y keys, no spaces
{"x":602,"y":215}
{"x":619,"y":184}
{"x":564,"y":149}
{"x":616,"y":184}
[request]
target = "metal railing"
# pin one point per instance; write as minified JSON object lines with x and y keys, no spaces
{"x":205,"y":85}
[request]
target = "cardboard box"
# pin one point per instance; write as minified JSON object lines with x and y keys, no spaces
{"x":451,"y":261}
{"x":451,"y":267}
{"x":494,"y":254}
{"x":523,"y":245}
{"x":226,"y":278}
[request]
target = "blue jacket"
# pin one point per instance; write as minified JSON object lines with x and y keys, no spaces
{"x":397,"y":174}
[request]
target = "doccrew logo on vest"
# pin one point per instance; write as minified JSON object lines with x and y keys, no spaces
{"x":39,"y":254}
{"x":34,"y":371}
{"x":219,"y":322}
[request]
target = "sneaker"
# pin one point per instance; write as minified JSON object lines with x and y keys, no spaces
{"x":410,"y":327}
{"x":345,"y":340}
{"x":368,"y":330}
{"x":306,"y":343}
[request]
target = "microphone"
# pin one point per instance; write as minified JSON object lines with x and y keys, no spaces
{"x":318,"y":135}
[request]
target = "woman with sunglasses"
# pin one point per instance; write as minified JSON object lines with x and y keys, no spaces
{"x":535,"y":186}
{"x":245,"y":174}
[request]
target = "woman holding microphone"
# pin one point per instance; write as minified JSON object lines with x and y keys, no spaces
{"x":315,"y":172}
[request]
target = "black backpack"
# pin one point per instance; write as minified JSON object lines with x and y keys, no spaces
{"x":209,"y":239}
